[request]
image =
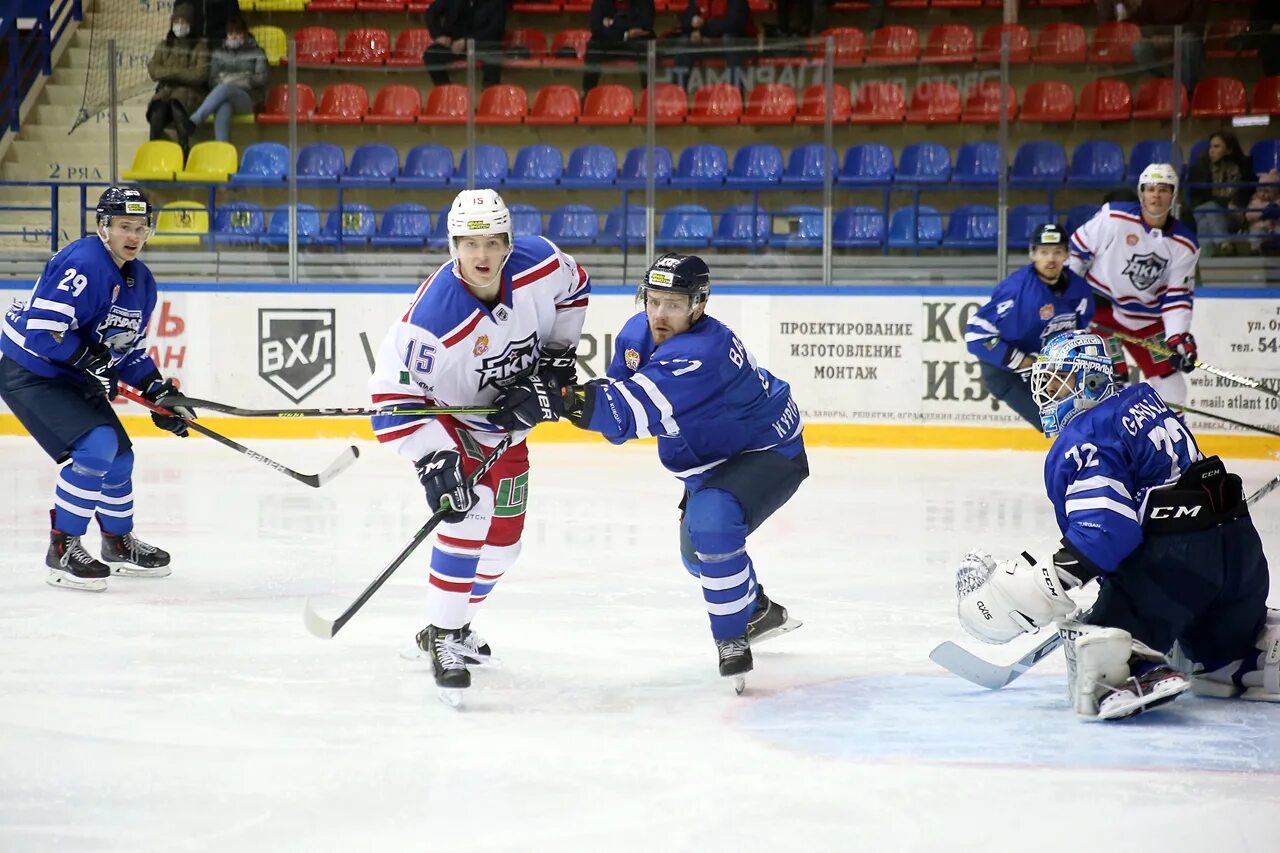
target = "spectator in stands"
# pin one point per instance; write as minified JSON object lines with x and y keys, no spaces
{"x":238,"y":73}
{"x":620,"y":29}
{"x":1154,"y":51}
{"x":455,"y":23}
{"x":808,"y":17}
{"x":707,"y":24}
{"x":1263,"y":215}
{"x":1263,"y":36}
{"x":211,"y":16}
{"x":180,"y":67}
{"x":1219,"y":205}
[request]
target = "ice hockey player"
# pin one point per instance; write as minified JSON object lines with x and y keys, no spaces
{"x":727,"y":428}
{"x":502,"y":309}
{"x":1141,"y":263}
{"x":1166,"y":532}
{"x":62,"y":355}
{"x":1028,"y":308}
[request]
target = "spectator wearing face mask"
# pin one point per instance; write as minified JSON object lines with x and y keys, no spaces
{"x":1215,"y":188}
{"x":180,"y":67}
{"x":238,"y":73}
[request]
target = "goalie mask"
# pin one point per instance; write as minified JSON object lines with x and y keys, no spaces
{"x":1071,"y":374}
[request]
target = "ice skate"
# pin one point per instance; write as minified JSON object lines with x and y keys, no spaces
{"x":448,"y":662}
{"x":769,"y":620}
{"x":71,"y":567}
{"x":130,"y":557}
{"x":1155,"y":687}
{"x":735,"y":660}
{"x":474,"y":648}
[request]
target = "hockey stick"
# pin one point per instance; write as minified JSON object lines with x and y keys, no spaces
{"x":226,"y":409}
{"x":326,"y":628}
{"x":1266,"y":489}
{"x":1207,"y":368}
{"x":315,"y":481}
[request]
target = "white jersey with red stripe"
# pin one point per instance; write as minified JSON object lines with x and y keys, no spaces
{"x":1148,"y":274}
{"x":450,"y":349}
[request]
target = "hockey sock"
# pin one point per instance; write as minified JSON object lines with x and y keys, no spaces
{"x":494,"y":562}
{"x":79,"y":485}
{"x":453,"y":573}
{"x":718,"y":530}
{"x":115,"y":506}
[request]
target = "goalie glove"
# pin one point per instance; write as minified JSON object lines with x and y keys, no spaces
{"x":1000,"y":601}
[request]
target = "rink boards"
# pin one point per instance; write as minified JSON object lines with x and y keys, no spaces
{"x":876,"y":367}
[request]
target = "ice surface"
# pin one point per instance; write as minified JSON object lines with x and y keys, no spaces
{"x":196,"y":713}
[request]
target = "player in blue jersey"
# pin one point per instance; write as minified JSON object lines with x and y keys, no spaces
{"x":1025,"y":310}
{"x":62,"y":355}
{"x":726,"y":427}
{"x":1166,"y":532}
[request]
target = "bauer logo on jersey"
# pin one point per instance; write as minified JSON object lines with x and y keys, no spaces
{"x":1145,"y":270}
{"x":512,"y":364}
{"x":481,"y":347}
{"x":296,"y":349}
{"x":632,"y":359}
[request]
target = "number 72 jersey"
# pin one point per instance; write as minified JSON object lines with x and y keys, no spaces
{"x":1104,"y":464}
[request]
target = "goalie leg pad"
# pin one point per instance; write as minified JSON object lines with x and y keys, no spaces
{"x":1118,"y":677}
{"x":1260,"y":683}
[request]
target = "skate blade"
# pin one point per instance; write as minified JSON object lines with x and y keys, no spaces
{"x":785,"y":628}
{"x":451,"y":697}
{"x":65,"y":580}
{"x":739,"y":684}
{"x":124,"y":570}
{"x":412,"y":652}
{"x":1161,"y":693}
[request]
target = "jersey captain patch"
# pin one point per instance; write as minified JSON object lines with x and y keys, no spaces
{"x":1145,"y":270}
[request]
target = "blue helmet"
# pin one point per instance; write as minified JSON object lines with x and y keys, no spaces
{"x":1072,"y":373}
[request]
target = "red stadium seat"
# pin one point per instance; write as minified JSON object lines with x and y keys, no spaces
{"x":1266,"y":96}
{"x":1048,"y":101}
{"x":568,"y":49}
{"x":502,"y":104}
{"x":1019,"y":44}
{"x":395,"y":104}
{"x":957,"y":4}
{"x":1219,"y":33}
{"x":1113,"y":43}
{"x":908,"y":4}
{"x":1104,"y":100}
{"x":1217,"y":97}
{"x":934,"y":103}
{"x":718,"y":103}
{"x":1154,"y":100}
{"x":315,"y":45}
{"x":670,"y":105}
{"x":610,"y":104}
{"x":374,"y":6}
{"x":770,"y":103}
{"x":879,"y":102}
{"x":849,"y":43}
{"x":950,"y":44}
{"x":276,"y":110}
{"x":1061,"y":44}
{"x":410,"y":45}
{"x":894,"y":45}
{"x":813,"y":105}
{"x":365,"y":47}
{"x":982,"y":103}
{"x":331,"y":6}
{"x":1063,"y":4}
{"x":537,"y":7}
{"x":554,"y":105}
{"x":447,"y":104}
{"x":342,"y":103}
{"x":524,"y":48}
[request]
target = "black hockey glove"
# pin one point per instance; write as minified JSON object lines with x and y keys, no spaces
{"x":441,"y":476}
{"x":559,"y":363}
{"x":524,"y":406}
{"x":1184,"y":352}
{"x":156,"y":389}
{"x":95,"y":361}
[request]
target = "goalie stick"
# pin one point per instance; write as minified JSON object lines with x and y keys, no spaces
{"x":315,"y":481}
{"x":326,"y":628}
{"x":355,"y":411}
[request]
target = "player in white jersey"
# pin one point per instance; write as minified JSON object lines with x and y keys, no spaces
{"x":502,"y":309}
{"x":1141,"y":263}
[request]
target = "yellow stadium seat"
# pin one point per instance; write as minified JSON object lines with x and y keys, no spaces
{"x":248,"y":5}
{"x":210,"y":161}
{"x":272,"y":41}
{"x":155,"y":161}
{"x":278,"y":5}
{"x":181,"y":223}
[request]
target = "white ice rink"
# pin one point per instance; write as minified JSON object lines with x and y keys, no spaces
{"x":195,"y":713}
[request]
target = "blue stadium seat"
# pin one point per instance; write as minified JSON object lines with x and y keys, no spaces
{"x":355,"y":223}
{"x":613,"y":235}
{"x":909,"y":231}
{"x":755,"y":166}
{"x":277,"y":233}
{"x":573,"y":225}
{"x":590,"y":166}
{"x":685,"y":226}
{"x":439,"y":236}
{"x":320,"y":162}
{"x":403,"y":225}
{"x":867,"y":164}
{"x":263,"y":163}
{"x":973,"y":227}
{"x":1024,"y":219}
{"x":526,"y":220}
{"x":237,"y":223}
{"x":491,"y":166}
{"x":536,"y":166}
{"x":427,"y":166}
{"x":1197,"y":150}
{"x":373,"y":164}
{"x":858,"y":227}
{"x":633,"y":173}
{"x":1145,"y":153}
{"x":924,"y":163}
{"x":1265,"y":154}
{"x":809,"y":165}
{"x":798,"y":226}
{"x":1079,"y":215}
{"x":1039,"y":164}
{"x":703,"y":166}
{"x":1096,"y":163}
{"x":978,"y":164}
{"x":742,"y":227}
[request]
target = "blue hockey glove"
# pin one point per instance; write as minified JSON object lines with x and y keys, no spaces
{"x":95,"y":360}
{"x":156,"y":390}
{"x":524,"y":406}
{"x":1184,"y":352}
{"x":441,"y":476}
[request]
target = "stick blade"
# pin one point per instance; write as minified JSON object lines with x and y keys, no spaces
{"x":970,"y":667}
{"x":317,"y":624}
{"x":342,"y":463}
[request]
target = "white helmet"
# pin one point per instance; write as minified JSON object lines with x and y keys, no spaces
{"x":1159,"y":173}
{"x":478,"y":213}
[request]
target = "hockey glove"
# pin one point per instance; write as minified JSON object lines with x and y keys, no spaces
{"x":1184,"y":351}
{"x":95,"y":361}
{"x":524,"y":406}
{"x":156,"y":390}
{"x":560,"y":364}
{"x":447,"y":489}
